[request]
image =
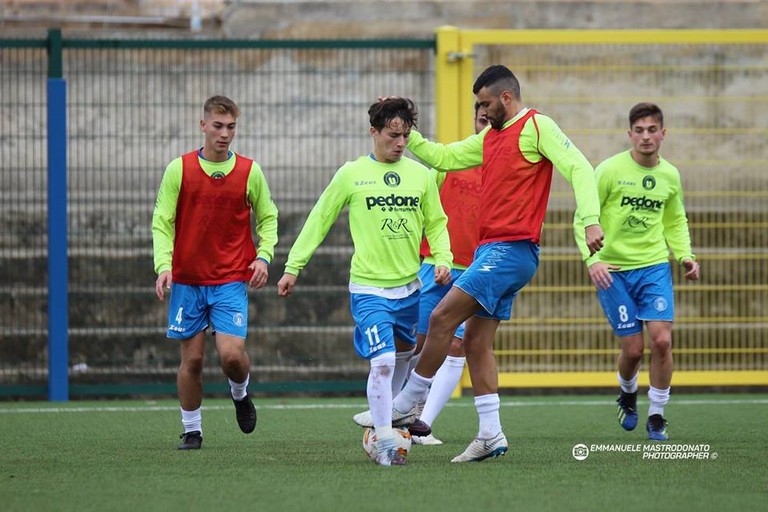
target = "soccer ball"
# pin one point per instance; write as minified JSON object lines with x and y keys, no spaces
{"x":402,"y":441}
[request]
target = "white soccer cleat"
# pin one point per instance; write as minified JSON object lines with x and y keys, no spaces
{"x":429,"y":440}
{"x":481,"y":449}
{"x":399,"y":419}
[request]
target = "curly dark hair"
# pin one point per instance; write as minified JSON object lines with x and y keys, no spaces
{"x":383,"y":112}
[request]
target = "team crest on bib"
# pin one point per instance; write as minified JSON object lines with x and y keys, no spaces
{"x":238,"y":319}
{"x":660,"y":304}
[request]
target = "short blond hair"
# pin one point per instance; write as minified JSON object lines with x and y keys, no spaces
{"x":221,"y":105}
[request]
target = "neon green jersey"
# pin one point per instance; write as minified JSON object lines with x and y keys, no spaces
{"x":164,"y":215}
{"x":391,"y":206}
{"x":642,"y":214}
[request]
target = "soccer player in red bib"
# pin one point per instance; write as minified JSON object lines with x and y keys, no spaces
{"x":204,"y":253}
{"x":517,"y":153}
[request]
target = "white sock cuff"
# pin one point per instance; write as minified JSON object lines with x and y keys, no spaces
{"x":404,"y":356}
{"x":416,"y":378}
{"x":660,"y":396}
{"x":243,"y":384}
{"x":487,"y":400}
{"x":628,"y":386}
{"x":386,"y":359}
{"x":456,"y":362}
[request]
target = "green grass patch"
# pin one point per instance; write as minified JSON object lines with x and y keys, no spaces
{"x":306,"y":455}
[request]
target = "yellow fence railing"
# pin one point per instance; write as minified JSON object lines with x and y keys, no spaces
{"x":713,"y":88}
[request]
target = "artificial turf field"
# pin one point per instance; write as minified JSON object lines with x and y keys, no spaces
{"x":306,"y":455}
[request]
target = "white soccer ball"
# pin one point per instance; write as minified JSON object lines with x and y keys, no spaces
{"x":402,"y":441}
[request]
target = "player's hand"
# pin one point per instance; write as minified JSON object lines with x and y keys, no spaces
{"x":594,"y":238}
{"x":442,"y":275}
{"x":285,"y":285}
{"x":693,"y":270}
{"x":163,"y":283}
{"x":600,"y":274}
{"x":260,"y":273}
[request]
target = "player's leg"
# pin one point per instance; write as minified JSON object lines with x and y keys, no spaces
{"x":490,"y":441}
{"x":380,"y":326}
{"x":189,"y":382}
{"x":630,"y":357}
{"x":453,"y":309}
{"x":657,"y":309}
{"x":229,"y":316}
{"x":187,"y":321}
{"x":445,"y":381}
{"x":621,"y":311}
{"x":500,"y":274}
{"x":661,"y":368}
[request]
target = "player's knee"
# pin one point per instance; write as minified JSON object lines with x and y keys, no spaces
{"x":193,"y":364}
{"x":661,"y":345}
{"x":441,"y":322}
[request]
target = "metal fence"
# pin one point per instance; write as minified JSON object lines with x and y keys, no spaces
{"x":713,"y":88}
{"x":133,"y":105}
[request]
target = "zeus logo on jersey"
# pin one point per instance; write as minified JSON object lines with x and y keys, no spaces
{"x":642,"y":203}
{"x":392,"y":200}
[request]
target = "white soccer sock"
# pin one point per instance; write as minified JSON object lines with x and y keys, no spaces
{"x":488,"y":412}
{"x":446,"y":380}
{"x":379,"y":390}
{"x":658,"y":398}
{"x":192,"y":420}
{"x":413,"y":362}
{"x":628,"y":386}
{"x":415,"y":389}
{"x":402,"y":360}
{"x":239,"y":391}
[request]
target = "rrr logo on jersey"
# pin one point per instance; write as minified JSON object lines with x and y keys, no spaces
{"x":395,"y":225}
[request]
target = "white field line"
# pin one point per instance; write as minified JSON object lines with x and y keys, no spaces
{"x":361,"y":405}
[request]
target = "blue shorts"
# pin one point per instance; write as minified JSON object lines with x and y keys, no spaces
{"x":431,"y":294}
{"x":378,"y":321}
{"x":222,"y":306}
{"x":497,"y":274}
{"x":637,"y":296}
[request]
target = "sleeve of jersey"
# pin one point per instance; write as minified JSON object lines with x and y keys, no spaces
{"x":578,"y":223}
{"x":436,"y":227}
{"x":164,"y":217}
{"x":573,"y":165}
{"x":318,"y":223}
{"x":676,"y":230}
{"x":456,"y":156}
{"x":265,"y":210}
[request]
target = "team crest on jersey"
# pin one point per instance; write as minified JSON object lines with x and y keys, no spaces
{"x":649,"y":183}
{"x":392,"y":179}
{"x":660,"y":304}
{"x":238,"y":319}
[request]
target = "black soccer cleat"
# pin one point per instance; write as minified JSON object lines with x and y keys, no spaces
{"x":627,"y":410}
{"x":246,"y":414}
{"x":419,"y":429}
{"x":191,"y":440}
